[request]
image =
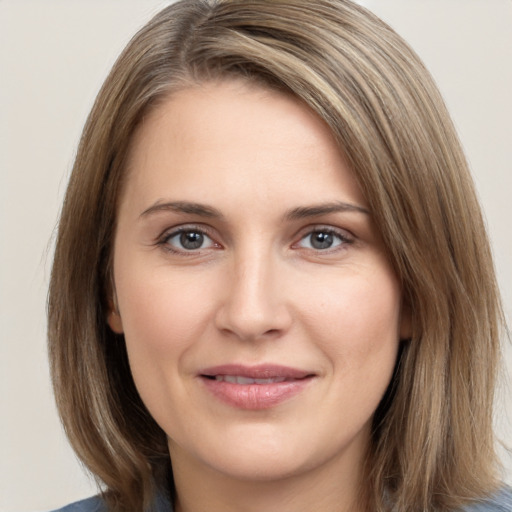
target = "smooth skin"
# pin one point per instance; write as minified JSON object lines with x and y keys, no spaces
{"x":243,"y":238}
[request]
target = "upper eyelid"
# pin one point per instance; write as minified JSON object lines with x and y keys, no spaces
{"x":175,"y":230}
{"x":315,"y":228}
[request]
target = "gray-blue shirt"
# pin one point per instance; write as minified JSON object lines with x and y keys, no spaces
{"x":500,"y":502}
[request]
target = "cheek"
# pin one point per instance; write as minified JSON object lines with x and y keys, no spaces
{"x":357,"y":323}
{"x":162,"y":318}
{"x":357,"y":302}
{"x":363,"y":344}
{"x":161,"y":314}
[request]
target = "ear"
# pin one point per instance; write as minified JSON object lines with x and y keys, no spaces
{"x":114,"y":319}
{"x":405,"y":326}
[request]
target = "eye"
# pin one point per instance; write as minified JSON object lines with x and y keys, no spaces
{"x":187,"y":239}
{"x":322,"y":239}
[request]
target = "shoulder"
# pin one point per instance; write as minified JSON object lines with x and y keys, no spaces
{"x":499,"y":502}
{"x":94,"y":504}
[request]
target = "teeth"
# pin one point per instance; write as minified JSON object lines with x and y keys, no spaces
{"x":235,"y":379}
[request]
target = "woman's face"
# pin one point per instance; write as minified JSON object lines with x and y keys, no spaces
{"x":260,"y":312}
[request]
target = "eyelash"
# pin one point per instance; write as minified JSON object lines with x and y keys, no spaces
{"x":164,"y":240}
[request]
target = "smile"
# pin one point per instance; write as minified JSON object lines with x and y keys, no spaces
{"x":255,"y":387}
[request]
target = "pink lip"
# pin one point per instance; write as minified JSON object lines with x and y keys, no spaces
{"x":254,"y":396}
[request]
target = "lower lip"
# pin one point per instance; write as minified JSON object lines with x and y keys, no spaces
{"x":255,"y":396}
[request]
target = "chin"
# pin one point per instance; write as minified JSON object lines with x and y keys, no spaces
{"x":262,"y":453}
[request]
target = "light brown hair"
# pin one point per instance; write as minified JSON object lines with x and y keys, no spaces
{"x":432,"y":445}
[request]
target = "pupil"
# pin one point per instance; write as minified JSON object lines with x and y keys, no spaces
{"x":191,"y":240}
{"x":321,"y":240}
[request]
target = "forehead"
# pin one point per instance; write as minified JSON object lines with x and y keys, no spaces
{"x":224,"y":137}
{"x":238,"y":109}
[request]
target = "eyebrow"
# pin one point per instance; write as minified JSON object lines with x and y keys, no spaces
{"x":201,"y":210}
{"x":301,"y":212}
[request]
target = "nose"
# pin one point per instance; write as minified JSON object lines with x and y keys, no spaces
{"x":254,"y":303}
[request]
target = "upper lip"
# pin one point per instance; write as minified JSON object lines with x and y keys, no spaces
{"x":260,"y":371}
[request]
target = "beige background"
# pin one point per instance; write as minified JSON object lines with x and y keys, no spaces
{"x":54,"y":55}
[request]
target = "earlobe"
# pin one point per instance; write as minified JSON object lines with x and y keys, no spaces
{"x":114,"y":319}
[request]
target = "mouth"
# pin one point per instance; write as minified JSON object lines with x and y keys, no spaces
{"x":244,"y":381}
{"x":255,"y":387}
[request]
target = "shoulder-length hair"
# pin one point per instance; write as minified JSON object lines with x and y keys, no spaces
{"x":432,"y":444}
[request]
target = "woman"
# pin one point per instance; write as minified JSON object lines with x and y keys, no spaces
{"x":272,"y":274}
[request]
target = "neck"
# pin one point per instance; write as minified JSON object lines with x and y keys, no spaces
{"x":330,"y":488}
